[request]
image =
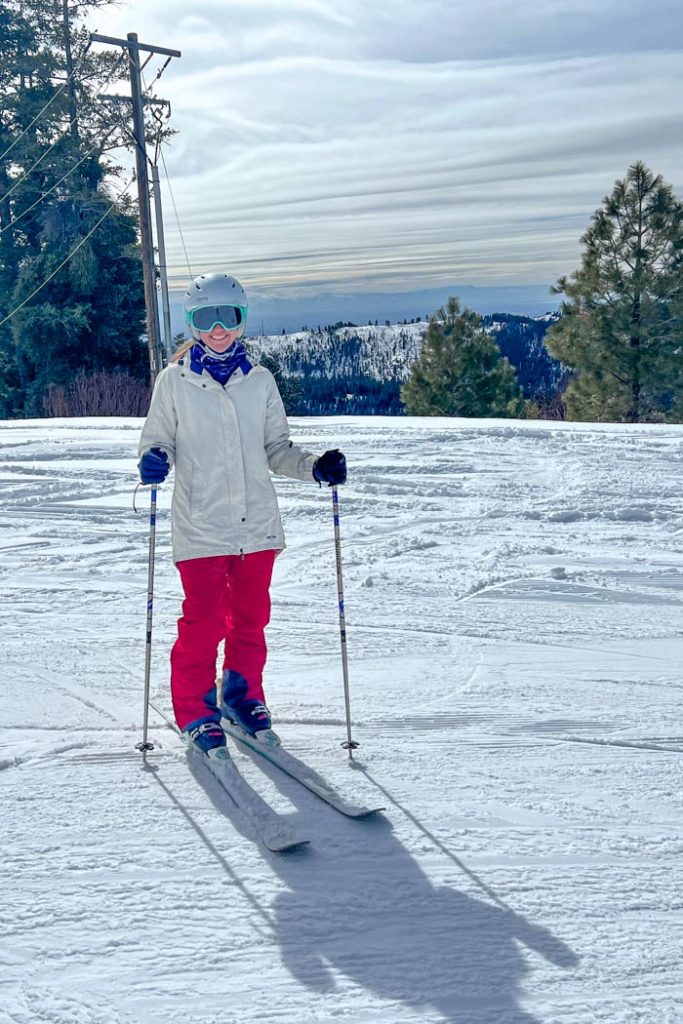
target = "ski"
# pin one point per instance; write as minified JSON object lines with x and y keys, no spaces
{"x":307,"y":777}
{"x":275,"y":834}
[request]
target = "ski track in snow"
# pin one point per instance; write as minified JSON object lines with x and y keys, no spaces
{"x":514,"y":599}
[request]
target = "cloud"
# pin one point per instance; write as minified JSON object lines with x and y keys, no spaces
{"x":430,"y":31}
{"x":401,"y":145}
{"x":439,"y":30}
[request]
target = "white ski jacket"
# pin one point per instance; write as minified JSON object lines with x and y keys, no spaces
{"x":224,"y":442}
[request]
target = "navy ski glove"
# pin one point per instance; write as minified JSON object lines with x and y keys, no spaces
{"x":330,"y":468}
{"x":154,"y":466}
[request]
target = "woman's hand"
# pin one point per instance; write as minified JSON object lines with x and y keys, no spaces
{"x":154,"y":466}
{"x":330,"y":468}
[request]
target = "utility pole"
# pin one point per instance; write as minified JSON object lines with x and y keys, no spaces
{"x":163,"y":269}
{"x":153,"y":332}
{"x":134,"y":47}
{"x":158,"y":213}
{"x":71,"y":92}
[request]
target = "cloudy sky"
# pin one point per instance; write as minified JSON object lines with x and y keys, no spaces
{"x":395,"y":145}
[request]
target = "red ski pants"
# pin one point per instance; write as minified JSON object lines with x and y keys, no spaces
{"x":227,"y":600}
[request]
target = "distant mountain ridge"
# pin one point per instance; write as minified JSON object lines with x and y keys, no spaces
{"x":269,"y":315}
{"x":360,"y":307}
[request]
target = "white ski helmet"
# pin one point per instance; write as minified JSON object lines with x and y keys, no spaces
{"x":215,"y":290}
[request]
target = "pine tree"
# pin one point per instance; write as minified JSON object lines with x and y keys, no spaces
{"x":290,"y":388}
{"x":53,"y":193}
{"x":621,"y":329}
{"x":460,"y":371}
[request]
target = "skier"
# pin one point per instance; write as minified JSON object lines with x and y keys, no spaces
{"x":221,"y":422}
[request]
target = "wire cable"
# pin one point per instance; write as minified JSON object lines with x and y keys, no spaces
{"x":56,"y":185}
{"x":146,"y":94}
{"x":160,"y":152}
{"x":108,"y":211}
{"x":175,"y":210}
{"x":73,"y":252}
{"x":156,"y":115}
{"x":49,"y":103}
{"x":96,"y":145}
{"x":73,"y":121}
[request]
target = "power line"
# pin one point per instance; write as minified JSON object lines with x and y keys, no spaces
{"x":132,"y":45}
{"x":56,"y":185}
{"x":73,"y":121}
{"x":153,"y":103}
{"x":73,"y":252}
{"x":96,"y":145}
{"x":160,"y":153}
{"x":49,"y":103}
{"x":161,"y":266}
{"x":175,"y":210}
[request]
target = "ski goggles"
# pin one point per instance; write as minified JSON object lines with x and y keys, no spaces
{"x":205,"y":318}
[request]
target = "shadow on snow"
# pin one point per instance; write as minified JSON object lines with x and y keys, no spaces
{"x":373,"y":916}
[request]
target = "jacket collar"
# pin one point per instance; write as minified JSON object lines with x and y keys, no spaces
{"x":204,"y":379}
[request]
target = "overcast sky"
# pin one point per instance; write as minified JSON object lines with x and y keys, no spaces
{"x":350,"y":145}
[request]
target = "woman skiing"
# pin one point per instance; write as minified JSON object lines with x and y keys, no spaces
{"x":221,"y":422}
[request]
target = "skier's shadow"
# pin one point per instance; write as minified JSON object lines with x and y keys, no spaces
{"x":374,"y":917}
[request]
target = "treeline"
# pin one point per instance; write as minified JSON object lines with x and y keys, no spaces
{"x":620,"y":333}
{"x":613,"y":353}
{"x":71,"y":296}
{"x":341,"y":369}
{"x":521,"y":341}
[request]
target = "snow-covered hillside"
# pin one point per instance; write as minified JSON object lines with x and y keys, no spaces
{"x":342,"y":370}
{"x":515,"y":612}
{"x":383,"y":353}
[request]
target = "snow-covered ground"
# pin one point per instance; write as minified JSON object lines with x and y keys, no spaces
{"x":515,"y":606}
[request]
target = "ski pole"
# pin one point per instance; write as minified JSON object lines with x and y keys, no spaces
{"x":349,"y":744}
{"x":145,"y":745}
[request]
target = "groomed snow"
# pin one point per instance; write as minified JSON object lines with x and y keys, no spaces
{"x":515,"y":609}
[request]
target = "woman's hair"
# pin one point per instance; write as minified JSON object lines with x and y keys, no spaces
{"x":185,"y":347}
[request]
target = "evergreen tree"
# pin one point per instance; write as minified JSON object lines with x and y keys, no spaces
{"x":520,"y":339}
{"x":621,"y":327}
{"x":460,"y":371}
{"x":56,"y":208}
{"x":289,"y":387}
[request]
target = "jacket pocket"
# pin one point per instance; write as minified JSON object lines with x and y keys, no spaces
{"x":198,"y":491}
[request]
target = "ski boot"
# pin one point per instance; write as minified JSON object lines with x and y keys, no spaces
{"x":209,"y":737}
{"x":252,"y":716}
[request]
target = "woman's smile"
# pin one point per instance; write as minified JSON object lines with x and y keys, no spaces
{"x":218,"y":339}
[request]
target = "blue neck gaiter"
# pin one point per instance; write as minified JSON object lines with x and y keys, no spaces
{"x":221,"y":365}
